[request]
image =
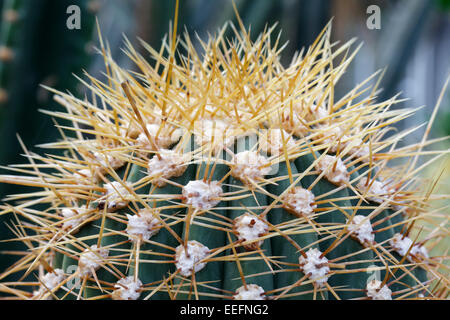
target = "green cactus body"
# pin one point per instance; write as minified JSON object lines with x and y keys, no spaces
{"x":281,"y":245}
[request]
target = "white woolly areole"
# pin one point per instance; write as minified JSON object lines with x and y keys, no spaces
{"x":332,"y":136}
{"x":131,"y":131}
{"x":373,"y":189}
{"x":392,"y":188}
{"x":52,"y":279}
{"x":127,"y":289}
{"x":142,"y":226}
{"x":361,"y":230}
{"x":299,"y":201}
{"x":217,"y":132}
{"x":161,"y":137}
{"x":107,"y":161}
{"x":189,"y":262}
{"x":313,"y":112}
{"x":310,"y":111}
{"x":253,"y":292}
{"x":376,"y":293}
{"x":117,"y":195}
{"x":419,"y":252}
{"x":134,"y":129}
{"x":249,"y":165}
{"x":271,"y":141}
{"x":359,"y":149}
{"x":315,"y":267}
{"x":401,"y":246}
{"x":49,"y":282}
{"x":248,"y":227}
{"x":169,"y":164}
{"x":335,"y":136}
{"x":91,"y":259}
{"x":86,"y":174}
{"x":73,"y":217}
{"x":337,"y":176}
{"x":202,"y":195}
{"x":293,"y":122}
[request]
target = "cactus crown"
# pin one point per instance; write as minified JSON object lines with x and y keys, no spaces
{"x":220,"y":173}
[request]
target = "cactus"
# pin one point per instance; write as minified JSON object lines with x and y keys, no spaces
{"x":225,"y":175}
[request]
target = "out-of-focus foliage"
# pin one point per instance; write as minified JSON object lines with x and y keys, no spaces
{"x":42,"y":51}
{"x":444,"y":4}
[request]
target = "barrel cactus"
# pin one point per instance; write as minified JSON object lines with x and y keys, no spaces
{"x":220,"y":173}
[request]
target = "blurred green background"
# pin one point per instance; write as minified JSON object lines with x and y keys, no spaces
{"x":36,"y":47}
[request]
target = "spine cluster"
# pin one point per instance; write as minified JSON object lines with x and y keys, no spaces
{"x":229,"y":176}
